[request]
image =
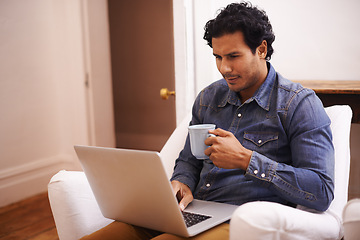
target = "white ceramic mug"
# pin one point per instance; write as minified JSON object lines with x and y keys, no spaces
{"x":198,"y":134}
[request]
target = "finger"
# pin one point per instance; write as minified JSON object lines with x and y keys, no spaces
{"x":212,"y":132}
{"x":207,"y":151}
{"x":182,"y":193}
{"x":220,"y":132}
{"x":187,"y":198}
{"x":210,"y":140}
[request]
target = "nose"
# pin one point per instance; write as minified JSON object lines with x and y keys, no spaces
{"x":225,"y":67}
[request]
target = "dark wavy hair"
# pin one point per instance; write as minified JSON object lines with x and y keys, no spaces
{"x":244,"y":17}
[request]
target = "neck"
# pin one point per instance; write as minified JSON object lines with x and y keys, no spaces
{"x":260,"y":79}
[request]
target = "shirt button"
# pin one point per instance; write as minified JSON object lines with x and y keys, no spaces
{"x":263,"y":175}
{"x":239,"y":115}
{"x":256,"y":171}
{"x":208,"y":185}
{"x":260,"y":141}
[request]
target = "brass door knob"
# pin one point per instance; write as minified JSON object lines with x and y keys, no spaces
{"x":165,"y":93}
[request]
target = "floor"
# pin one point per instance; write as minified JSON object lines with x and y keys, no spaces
{"x":29,"y":219}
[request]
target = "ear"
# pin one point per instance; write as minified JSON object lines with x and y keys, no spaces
{"x":262,"y":49}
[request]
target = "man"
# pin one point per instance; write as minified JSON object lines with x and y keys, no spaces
{"x":273,"y":140}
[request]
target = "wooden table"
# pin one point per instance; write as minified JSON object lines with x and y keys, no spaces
{"x":337,"y":93}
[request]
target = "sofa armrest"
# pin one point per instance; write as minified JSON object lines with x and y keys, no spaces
{"x":74,"y":207}
{"x":268,"y":220}
{"x":351,"y":218}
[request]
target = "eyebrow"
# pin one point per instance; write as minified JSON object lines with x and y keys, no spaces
{"x":228,"y":54}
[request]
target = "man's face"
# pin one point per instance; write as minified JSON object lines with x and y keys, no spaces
{"x":243,"y":71}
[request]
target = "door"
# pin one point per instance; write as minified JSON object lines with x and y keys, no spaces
{"x":142,"y":59}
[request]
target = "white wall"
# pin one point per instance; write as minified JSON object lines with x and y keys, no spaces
{"x":315,"y":40}
{"x":43,"y":99}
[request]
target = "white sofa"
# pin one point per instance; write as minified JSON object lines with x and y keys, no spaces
{"x":76,"y":212}
{"x":351,"y":219}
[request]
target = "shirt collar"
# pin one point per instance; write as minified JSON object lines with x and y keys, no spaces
{"x":262,"y":95}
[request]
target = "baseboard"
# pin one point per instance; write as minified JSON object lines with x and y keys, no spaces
{"x":30,"y":179}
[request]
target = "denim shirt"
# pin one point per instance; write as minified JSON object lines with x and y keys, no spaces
{"x":288,"y":130}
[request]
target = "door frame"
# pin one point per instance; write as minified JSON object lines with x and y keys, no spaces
{"x":184,"y":57}
{"x":101,"y":126}
{"x":98,"y":80}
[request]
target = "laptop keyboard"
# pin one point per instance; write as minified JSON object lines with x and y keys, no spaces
{"x":193,"y":218}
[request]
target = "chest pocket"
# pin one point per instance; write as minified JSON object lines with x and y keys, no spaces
{"x":262,"y":142}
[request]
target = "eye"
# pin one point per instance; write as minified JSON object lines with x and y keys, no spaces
{"x":234,"y":56}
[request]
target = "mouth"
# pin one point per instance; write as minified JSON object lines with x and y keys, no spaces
{"x":232,"y":79}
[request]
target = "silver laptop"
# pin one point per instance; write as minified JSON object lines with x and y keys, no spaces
{"x":131,"y":186}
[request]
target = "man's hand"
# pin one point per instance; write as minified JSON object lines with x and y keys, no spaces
{"x":226,"y":151}
{"x":183,"y":194}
